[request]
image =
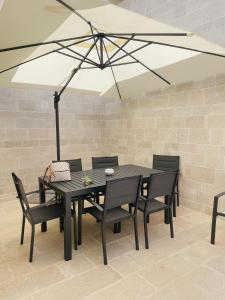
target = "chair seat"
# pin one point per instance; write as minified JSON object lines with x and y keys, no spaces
{"x":45,"y":213}
{"x":154,"y":205}
{"x":113,"y":215}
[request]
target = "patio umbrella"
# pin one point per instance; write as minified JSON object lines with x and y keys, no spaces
{"x":105,"y":55}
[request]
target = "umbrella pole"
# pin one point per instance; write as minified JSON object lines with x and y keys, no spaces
{"x":56,"y":106}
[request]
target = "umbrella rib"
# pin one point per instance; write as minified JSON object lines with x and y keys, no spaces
{"x":133,"y":51}
{"x":43,"y":43}
{"x":71,"y":56}
{"x":74,"y":11}
{"x":141,"y":63}
{"x":84,"y":68}
{"x":118,"y":50}
{"x":117,"y":87}
{"x":77,"y":53}
{"x":173,"y":46}
{"x":78,"y":68}
{"x":96,"y":47}
{"x":39,"y":56}
{"x":123,"y":64}
{"x":154,"y":34}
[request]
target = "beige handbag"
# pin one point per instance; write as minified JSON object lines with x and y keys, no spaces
{"x":58,"y":171}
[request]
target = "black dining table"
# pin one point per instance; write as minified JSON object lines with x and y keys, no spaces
{"x":76,"y":188}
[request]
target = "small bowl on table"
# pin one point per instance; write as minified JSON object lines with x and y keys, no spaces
{"x":109,"y":172}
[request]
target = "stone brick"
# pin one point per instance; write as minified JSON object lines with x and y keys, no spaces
{"x":199,"y":136}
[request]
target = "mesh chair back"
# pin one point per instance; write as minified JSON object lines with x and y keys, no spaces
{"x":161,"y":184}
{"x":104,"y":162}
{"x":20,"y":192}
{"x":75,"y":164}
{"x":122,"y":191}
{"x":166,"y":162}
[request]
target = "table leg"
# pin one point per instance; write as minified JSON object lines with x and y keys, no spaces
{"x":67,"y":228}
{"x":42,"y":200}
{"x":79,"y":225}
{"x":166,"y":212}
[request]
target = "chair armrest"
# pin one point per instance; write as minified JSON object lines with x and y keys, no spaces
{"x":30,"y":193}
{"x":142,"y":198}
{"x":50,"y":202}
{"x":219,"y":195}
{"x":33,"y":192}
{"x":95,"y":204}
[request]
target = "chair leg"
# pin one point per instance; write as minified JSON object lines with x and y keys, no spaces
{"x":117,"y":227}
{"x":136,"y":233}
{"x":214,"y":217}
{"x":75,"y":225}
{"x":174,"y":202}
{"x":130,"y":209}
{"x":97,"y":198}
{"x":22,"y":231}
{"x":104,"y":244}
{"x":61,"y":224}
{"x":32,"y":243}
{"x":147,"y":218}
{"x":178,"y":197}
{"x":146,"y":232}
{"x":171,"y":223}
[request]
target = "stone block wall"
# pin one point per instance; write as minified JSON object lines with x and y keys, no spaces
{"x":187,"y":120}
{"x":27,"y":131}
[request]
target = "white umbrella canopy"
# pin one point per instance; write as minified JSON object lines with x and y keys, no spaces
{"x":43,"y":21}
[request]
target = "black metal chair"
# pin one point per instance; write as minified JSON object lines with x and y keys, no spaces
{"x":168,"y":163}
{"x":214,"y":216}
{"x":104,"y":162}
{"x":118,"y":192}
{"x":160,"y":185}
{"x":37,"y":214}
{"x":75,"y":166}
{"x":100,"y":163}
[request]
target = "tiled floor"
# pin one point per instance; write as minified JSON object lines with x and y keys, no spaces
{"x":186,"y":267}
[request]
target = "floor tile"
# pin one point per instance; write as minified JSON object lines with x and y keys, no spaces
{"x":130,"y":288}
{"x":180,"y":290}
{"x":207,"y":279}
{"x":124,"y":265}
{"x":165,"y":271}
{"x":28,"y":284}
{"x":80,"y":286}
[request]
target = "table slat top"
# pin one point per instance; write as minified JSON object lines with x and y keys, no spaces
{"x":75,"y":186}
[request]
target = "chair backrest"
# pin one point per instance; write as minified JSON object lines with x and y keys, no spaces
{"x":161,"y":184}
{"x":104,"y":162}
{"x":75,"y":164}
{"x":122,"y":191}
{"x":20,"y":192}
{"x":166,"y":162}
